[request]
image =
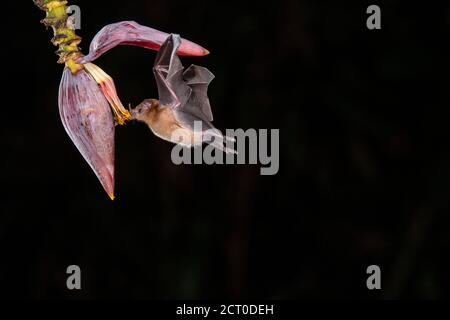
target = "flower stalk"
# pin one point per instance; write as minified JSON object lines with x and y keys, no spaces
{"x":65,"y":37}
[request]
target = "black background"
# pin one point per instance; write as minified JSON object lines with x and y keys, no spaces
{"x":364,"y":161}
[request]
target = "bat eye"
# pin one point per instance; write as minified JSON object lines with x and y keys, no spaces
{"x":136,"y":111}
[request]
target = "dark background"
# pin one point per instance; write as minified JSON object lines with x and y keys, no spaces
{"x":364,"y":165}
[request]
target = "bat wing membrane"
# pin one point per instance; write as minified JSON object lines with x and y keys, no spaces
{"x":198,"y":79}
{"x":185,"y":92}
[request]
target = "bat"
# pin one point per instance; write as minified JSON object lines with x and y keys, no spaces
{"x":182,"y":114}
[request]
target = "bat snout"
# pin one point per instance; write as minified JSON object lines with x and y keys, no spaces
{"x":135,"y":113}
{"x":139,"y":112}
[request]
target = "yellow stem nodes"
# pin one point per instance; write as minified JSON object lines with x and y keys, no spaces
{"x":64,"y":37}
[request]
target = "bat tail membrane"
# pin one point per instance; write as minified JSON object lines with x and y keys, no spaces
{"x":218,"y":140}
{"x":210,"y":134}
{"x":223,"y":148}
{"x":230,"y":139}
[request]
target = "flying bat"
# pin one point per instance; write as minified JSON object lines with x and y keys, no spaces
{"x":182,"y":114}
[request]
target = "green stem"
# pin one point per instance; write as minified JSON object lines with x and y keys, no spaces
{"x":64,"y":37}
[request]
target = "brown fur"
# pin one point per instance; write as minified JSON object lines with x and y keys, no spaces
{"x":162,"y":122}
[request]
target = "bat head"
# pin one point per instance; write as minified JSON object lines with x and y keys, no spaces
{"x":142,"y":110}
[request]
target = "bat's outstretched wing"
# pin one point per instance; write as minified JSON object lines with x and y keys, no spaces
{"x":198,"y":79}
{"x":184,"y":91}
{"x":173,"y":91}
